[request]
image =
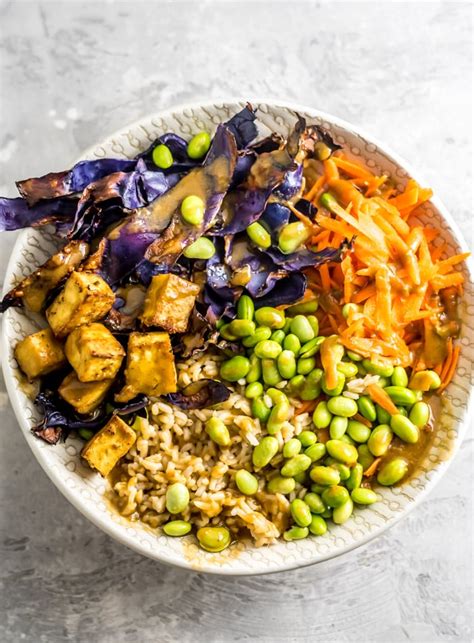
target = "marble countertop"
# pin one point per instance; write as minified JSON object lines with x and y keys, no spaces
{"x":71,"y":72}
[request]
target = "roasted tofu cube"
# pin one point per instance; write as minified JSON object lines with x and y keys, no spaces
{"x":168,"y":303}
{"x":150,"y":366}
{"x":111,"y":443}
{"x":94,"y":353}
{"x":85,"y":397}
{"x":85,"y":298}
{"x":39,"y":354}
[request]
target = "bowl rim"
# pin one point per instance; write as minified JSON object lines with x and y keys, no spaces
{"x":116,"y":531}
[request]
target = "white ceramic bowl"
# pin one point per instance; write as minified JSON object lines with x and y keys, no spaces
{"x":84,"y":489}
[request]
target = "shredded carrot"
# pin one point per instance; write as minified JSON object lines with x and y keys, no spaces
{"x":307,"y":407}
{"x":452,"y":369}
{"x":315,"y":189}
{"x":362,"y":419}
{"x":447,"y":361}
{"x":373,"y":468}
{"x":325,"y":280}
{"x":329,"y":361}
{"x":330,"y":170}
{"x":381,"y":397}
{"x":302,"y":217}
{"x":364,"y":294}
{"x":352,"y":169}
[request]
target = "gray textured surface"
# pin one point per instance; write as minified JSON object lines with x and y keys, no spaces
{"x":72,"y":72}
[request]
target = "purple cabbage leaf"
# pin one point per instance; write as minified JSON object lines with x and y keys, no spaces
{"x":200,"y":395}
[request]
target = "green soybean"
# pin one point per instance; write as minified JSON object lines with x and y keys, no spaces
{"x":310,"y":391}
{"x":400,"y":395}
{"x":296,"y":383}
{"x":347,"y":308}
{"x":318,"y":526}
{"x":345,"y":453}
{"x":402,"y":411}
{"x":335,"y":496}
{"x":314,"y":323}
{"x":380,"y":440}
{"x":405,"y":429}
{"x":305,"y":365}
{"x":300,"y":512}
{"x":298,"y":464}
{"x":162,"y":157}
{"x":282,"y":485}
{"x":217,"y":431}
{"x":306,"y":307}
{"x":333,"y":392}
{"x":316,"y":451}
{"x":271,"y":317}
{"x":202,"y":248}
{"x":301,"y":327}
{"x":245,"y":307}
{"x":260,"y":410}
{"x":314,"y":502}
{"x":198,"y":145}
{"x":383,"y":381}
{"x":296,"y":533}
{"x":364,"y":456}
{"x":259,"y":235}
{"x":177,"y":528}
{"x":286,"y":364}
{"x":265,"y":450}
{"x":292,"y":236}
{"x":246,"y":482}
{"x":344,"y":470}
{"x":278,"y":415}
{"x":261,"y":334}
{"x":357,"y":431}
{"x":278,"y":336}
{"x":292,"y":343}
{"x":341,"y":514}
{"x":419,"y":414}
{"x":300,"y":478}
{"x":384,"y":370}
{"x":267,"y":349}
{"x":242,"y":327}
{"x":338,"y":427}
{"x":367,"y":408}
{"x":347,"y":439}
{"x":383,"y":416}
{"x":255,"y":369}
{"x":213,"y":539}
{"x":192,"y":209}
{"x":325,"y":476}
{"x":177,"y":498}
{"x":270,"y":373}
{"x":354,"y":357}
{"x":291,"y":448}
{"x":322,"y":416}
{"x":347,"y":369}
{"x":226,"y":334}
{"x":309,"y":349}
{"x":342,"y":406}
{"x":235,"y":368}
{"x":307,"y":438}
{"x":392,"y":472}
{"x":355,"y":478}
{"x":277,"y":396}
{"x":362,"y":496}
{"x":399,"y":376}
{"x":317,"y":488}
{"x":425,"y":381}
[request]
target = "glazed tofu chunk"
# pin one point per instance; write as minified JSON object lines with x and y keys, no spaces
{"x":150,"y":366}
{"x":85,"y":397}
{"x":94,"y":353}
{"x":85,"y":298}
{"x":168,"y":303}
{"x":39,"y":354}
{"x":111,"y":443}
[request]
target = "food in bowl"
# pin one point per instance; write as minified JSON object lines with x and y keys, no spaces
{"x":248,"y":335}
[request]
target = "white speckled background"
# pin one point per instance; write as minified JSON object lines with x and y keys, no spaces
{"x":71,"y":72}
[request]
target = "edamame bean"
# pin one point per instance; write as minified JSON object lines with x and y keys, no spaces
{"x":270,"y":373}
{"x":255,"y":389}
{"x":315,"y":376}
{"x":260,"y":410}
{"x":362,"y":496}
{"x":327,"y":514}
{"x":355,"y":478}
{"x":316,"y":451}
{"x":384,"y":370}
{"x":425,"y":381}
{"x":292,"y":343}
{"x":242,"y":328}
{"x":354,"y":357}
{"x":202,"y":248}
{"x":399,"y":376}
{"x":305,"y":365}
{"x":296,"y":533}
{"x":271,"y":317}
{"x":304,"y":308}
{"x":338,"y":427}
{"x":402,"y":410}
{"x":383,"y":381}
{"x":321,"y":416}
{"x":318,"y":526}
{"x":281,"y":485}
{"x":347,"y":369}
{"x":367,"y":408}
{"x":325,"y":476}
{"x":404,"y":429}
{"x":311,"y":348}
{"x":383,"y":416}
{"x":255,"y":369}
{"x":292,"y":236}
{"x":278,"y":415}
{"x":226,"y":334}
{"x":261,"y":334}
{"x":307,"y":438}
{"x":401,"y":396}
{"x":348,"y":308}
{"x":278,"y":336}
{"x":380,"y":440}
{"x":300,"y":478}
{"x":317,"y":488}
{"x":347,"y":439}
{"x":322,"y":151}
{"x":301,"y":327}
{"x":192,"y":209}
{"x":298,"y":464}
{"x":315,"y":503}
{"x":310,"y":391}
{"x":217,"y":431}
{"x":296,"y":383}
{"x":213,"y":539}
{"x":277,"y":396}
{"x":245,"y":308}
{"x":300,"y":512}
{"x":177,"y":528}
{"x":344,"y":470}
{"x":162,"y":157}
{"x":265,"y":450}
{"x":235,"y":368}
{"x":341,"y":380}
{"x":341,"y":514}
{"x":177,"y":498}
{"x":419,"y":414}
{"x":357,"y":431}
{"x":259,"y":235}
{"x":267,"y":349}
{"x":86,"y":434}
{"x":246,"y":482}
{"x":361,"y":371}
{"x":286,"y":327}
{"x":392,"y":472}
{"x":342,"y":406}
{"x":335,"y":496}
{"x":364,"y":456}
{"x":198,"y":145}
{"x":345,"y":453}
{"x":286,"y":363}
{"x":291,"y":448}
{"x":313,"y":322}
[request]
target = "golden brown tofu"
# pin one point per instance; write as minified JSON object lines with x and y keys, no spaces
{"x":85,"y":298}
{"x":85,"y":397}
{"x":94,"y":353}
{"x":111,"y":443}
{"x":39,"y":354}
{"x":150,"y":366}
{"x":168,"y":303}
